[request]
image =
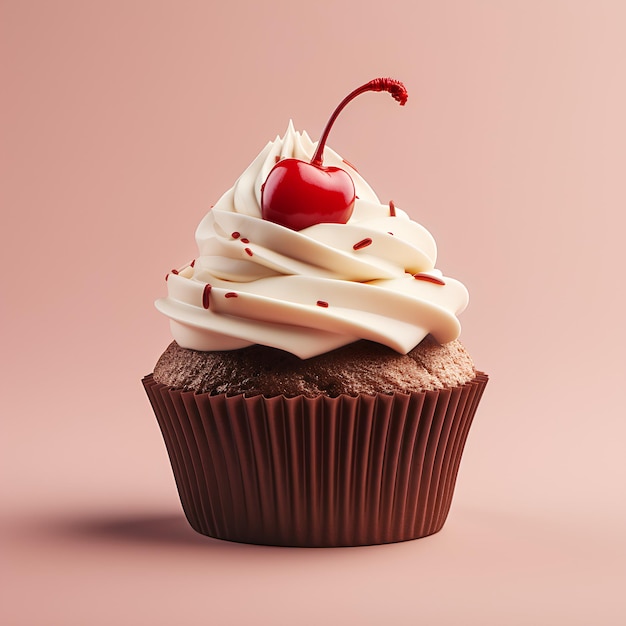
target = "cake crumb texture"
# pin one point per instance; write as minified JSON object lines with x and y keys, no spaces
{"x":360,"y":367}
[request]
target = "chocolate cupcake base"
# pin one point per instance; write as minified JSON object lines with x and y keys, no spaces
{"x":316,"y":472}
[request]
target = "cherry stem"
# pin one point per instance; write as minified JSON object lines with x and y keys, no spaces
{"x":394,"y":87}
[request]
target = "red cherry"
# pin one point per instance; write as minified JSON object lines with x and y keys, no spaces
{"x":297,"y":194}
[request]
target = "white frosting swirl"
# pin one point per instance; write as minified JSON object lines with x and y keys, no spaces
{"x":309,"y":291}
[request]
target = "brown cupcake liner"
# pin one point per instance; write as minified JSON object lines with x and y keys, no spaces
{"x":316,"y":472}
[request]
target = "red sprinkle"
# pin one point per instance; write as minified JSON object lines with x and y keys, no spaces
{"x":276,"y":158}
{"x":244,"y":240}
{"x":322,"y":303}
{"x":231,"y":294}
{"x":428,"y":278}
{"x":349,"y":164}
{"x":389,"y":232}
{"x":235,"y":235}
{"x":362,"y":244}
{"x":392,"y":209}
{"x":248,"y":251}
{"x":206,"y":295}
{"x":171,"y":272}
{"x":192,"y":263}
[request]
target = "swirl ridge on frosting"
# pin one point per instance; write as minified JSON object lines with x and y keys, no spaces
{"x":313,"y":290}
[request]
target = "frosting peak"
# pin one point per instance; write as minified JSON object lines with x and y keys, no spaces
{"x":313,"y":290}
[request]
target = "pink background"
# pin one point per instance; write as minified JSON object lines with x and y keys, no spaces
{"x":123,"y":121}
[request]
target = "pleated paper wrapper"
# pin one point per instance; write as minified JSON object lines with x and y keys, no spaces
{"x":316,"y":472}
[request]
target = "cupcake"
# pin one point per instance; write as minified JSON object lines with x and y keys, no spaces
{"x":315,"y":393}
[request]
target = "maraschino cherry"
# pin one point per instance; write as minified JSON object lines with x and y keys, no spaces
{"x":298,"y":194}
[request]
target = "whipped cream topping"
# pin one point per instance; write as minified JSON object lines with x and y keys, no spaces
{"x":310,"y":291}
